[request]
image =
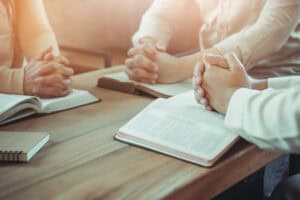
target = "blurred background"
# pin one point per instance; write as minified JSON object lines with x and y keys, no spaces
{"x":95,"y":34}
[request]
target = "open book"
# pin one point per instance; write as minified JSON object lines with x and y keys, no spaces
{"x":14,"y":107}
{"x":181,"y":128}
{"x":120,"y":82}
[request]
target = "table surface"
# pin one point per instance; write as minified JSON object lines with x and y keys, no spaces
{"x":82,"y":161}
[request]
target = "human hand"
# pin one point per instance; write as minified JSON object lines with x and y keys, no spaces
{"x":47,"y":56}
{"x":47,"y":76}
{"x":220,"y":81}
{"x":144,"y":61}
{"x":165,"y":68}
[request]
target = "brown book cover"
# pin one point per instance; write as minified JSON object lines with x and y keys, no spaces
{"x":120,"y":82}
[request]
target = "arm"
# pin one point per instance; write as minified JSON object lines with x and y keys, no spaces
{"x":269,"y":119}
{"x":161,"y":20}
{"x":34,"y":31}
{"x":46,"y":74}
{"x":277,"y":20}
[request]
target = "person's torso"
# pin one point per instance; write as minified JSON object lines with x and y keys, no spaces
{"x":6,"y":36}
{"x":222,"y":18}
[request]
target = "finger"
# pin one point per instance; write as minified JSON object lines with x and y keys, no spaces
{"x":197,"y":97}
{"x":65,"y":85}
{"x":50,"y":92}
{"x":160,"y":47}
{"x":201,"y":92}
{"x":209,"y":108}
{"x":146,"y":50}
{"x":199,"y":69}
{"x":45,"y":52}
{"x":141,"y":75}
{"x":49,"y":80}
{"x":62,"y":60}
{"x":197,"y":82}
{"x":65,"y":71}
{"x":150,"y":51}
{"x":204,"y":102}
{"x":140,"y":61}
{"x":233,"y":62}
{"x":54,"y":81}
{"x":53,"y":67}
{"x":217,"y":60}
{"x":131,"y":76}
{"x":49,"y":57}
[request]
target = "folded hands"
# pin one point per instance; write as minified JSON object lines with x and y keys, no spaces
{"x":216,"y":78}
{"x":48,"y":76}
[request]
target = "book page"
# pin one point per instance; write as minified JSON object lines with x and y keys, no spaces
{"x":188,"y":128}
{"x":14,"y":107}
{"x":74,"y":99}
{"x":165,"y":89}
{"x":9,"y":101}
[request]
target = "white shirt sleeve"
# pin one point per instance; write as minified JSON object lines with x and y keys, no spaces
{"x":275,"y":24}
{"x":270,"y":118}
{"x":284,"y":82}
{"x":161,"y":20}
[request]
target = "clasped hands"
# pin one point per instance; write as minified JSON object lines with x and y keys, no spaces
{"x":216,"y":78}
{"x":48,"y":76}
{"x":149,"y":63}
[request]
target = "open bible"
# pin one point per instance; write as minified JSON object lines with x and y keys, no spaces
{"x":120,"y":82}
{"x":181,"y":128}
{"x":14,"y":107}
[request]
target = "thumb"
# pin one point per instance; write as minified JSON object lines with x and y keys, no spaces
{"x":217,"y":60}
{"x":233,"y":62}
{"x":160,"y":47}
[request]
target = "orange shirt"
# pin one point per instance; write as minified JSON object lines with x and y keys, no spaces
{"x":11,"y":77}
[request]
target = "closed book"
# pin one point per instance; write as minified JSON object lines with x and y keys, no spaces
{"x":21,"y":146}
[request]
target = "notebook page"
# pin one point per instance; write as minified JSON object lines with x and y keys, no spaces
{"x":189,"y":129}
{"x":166,"y":89}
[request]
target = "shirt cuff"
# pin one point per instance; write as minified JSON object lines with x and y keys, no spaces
{"x":235,"y":112}
{"x":17,"y":80}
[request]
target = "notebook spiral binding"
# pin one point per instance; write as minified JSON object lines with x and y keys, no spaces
{"x":10,"y":156}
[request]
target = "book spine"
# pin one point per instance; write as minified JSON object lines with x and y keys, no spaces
{"x":10,"y":156}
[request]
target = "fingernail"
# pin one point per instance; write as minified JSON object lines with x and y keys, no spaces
{"x":203,"y":101}
{"x":200,"y":92}
{"x":209,"y":108}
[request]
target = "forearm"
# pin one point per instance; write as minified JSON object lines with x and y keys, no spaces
{"x":161,"y":20}
{"x":34,"y":31}
{"x":188,"y":62}
{"x":270,"y":32}
{"x":266,"y":118}
{"x":34,"y":44}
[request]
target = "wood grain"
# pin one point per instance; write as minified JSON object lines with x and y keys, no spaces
{"x":82,"y":161}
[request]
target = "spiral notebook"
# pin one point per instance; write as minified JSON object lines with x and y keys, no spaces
{"x":21,"y":146}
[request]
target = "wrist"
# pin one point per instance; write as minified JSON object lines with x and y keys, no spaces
{"x":229,"y":93}
{"x":259,"y":84}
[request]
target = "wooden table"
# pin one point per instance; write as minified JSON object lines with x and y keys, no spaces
{"x":82,"y":161}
